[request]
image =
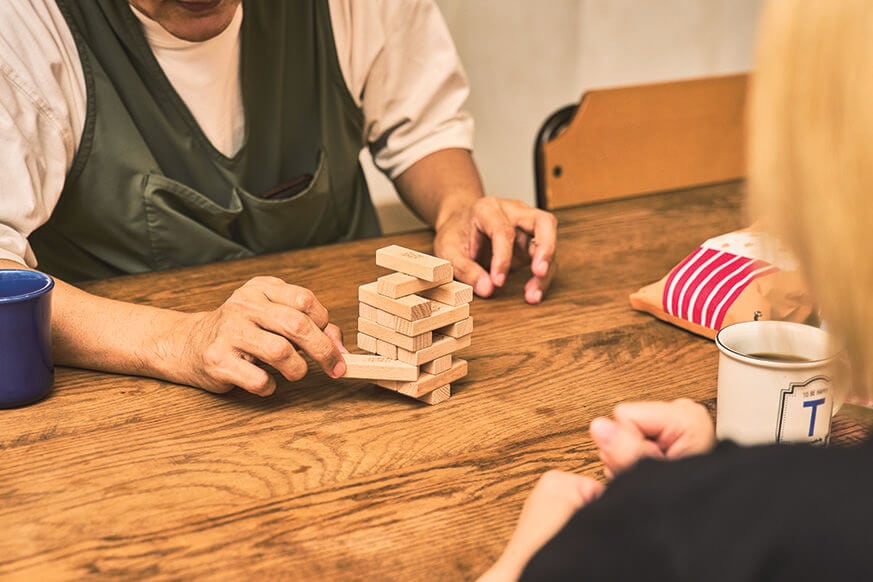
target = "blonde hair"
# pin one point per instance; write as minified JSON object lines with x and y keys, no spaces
{"x":811,"y":154}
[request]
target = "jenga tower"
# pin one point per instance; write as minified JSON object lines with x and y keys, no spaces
{"x":411,"y":322}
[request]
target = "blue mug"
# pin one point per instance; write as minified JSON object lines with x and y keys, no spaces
{"x":26,"y":370}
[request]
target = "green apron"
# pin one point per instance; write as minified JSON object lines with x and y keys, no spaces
{"x":147,"y":191}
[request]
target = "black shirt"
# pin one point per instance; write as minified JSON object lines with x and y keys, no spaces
{"x":762,"y":513}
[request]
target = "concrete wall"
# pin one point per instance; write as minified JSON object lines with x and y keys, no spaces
{"x":526,"y":58}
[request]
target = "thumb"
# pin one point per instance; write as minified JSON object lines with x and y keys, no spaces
{"x":621,"y":446}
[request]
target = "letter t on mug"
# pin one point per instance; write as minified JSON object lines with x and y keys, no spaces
{"x":775,"y":383}
{"x":26,"y":370}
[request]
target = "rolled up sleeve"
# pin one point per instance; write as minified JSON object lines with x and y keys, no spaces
{"x":33,"y":160}
{"x":42,"y":108}
{"x":401,"y":66}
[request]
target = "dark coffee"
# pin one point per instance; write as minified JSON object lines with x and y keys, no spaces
{"x":777,"y":357}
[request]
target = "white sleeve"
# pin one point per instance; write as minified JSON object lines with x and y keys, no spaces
{"x":401,"y":66}
{"x":42,"y":111}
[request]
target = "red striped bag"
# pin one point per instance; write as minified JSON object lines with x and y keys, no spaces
{"x":729,"y":279}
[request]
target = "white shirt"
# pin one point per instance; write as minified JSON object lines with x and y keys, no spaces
{"x":396,"y":57}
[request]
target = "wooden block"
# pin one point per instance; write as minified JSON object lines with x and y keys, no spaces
{"x":460,"y":329}
{"x":414,"y":263}
{"x":427,"y":382}
{"x":383,"y":348}
{"x":443,"y":315}
{"x":411,"y":307}
{"x":368,"y":311}
{"x":368,"y":343}
{"x":452,"y":293}
{"x":441,"y":346}
{"x":400,"y":284}
{"x":411,"y":343}
{"x":441,"y":394}
{"x":390,"y":320}
{"x":372,"y":367}
{"x":438,"y":366}
{"x":379,"y":316}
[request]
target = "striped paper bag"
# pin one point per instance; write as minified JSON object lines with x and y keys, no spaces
{"x":728,"y":279}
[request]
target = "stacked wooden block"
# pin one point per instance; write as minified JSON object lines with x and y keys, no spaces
{"x":411,"y":322}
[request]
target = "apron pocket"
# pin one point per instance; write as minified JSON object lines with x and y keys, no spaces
{"x":308,"y":218}
{"x":187,"y":228}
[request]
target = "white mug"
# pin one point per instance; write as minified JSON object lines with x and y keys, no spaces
{"x":775,"y":383}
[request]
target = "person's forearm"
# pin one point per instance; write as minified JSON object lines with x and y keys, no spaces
{"x":103,"y":334}
{"x":441,"y":184}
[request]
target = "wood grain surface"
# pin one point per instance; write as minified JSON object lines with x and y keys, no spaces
{"x":116,"y":477}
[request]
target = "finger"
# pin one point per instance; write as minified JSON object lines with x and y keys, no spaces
{"x":297,"y":327}
{"x":336,"y":336}
{"x":544,"y":228}
{"x":621,"y":447}
{"x":470,"y":272}
{"x":680,"y":427}
{"x":524,"y":247}
{"x":461,"y":247}
{"x":298,"y":298}
{"x":575,"y":490}
{"x":651,"y":418}
{"x":490,"y":219}
{"x":589,"y":489}
{"x":274,"y":350}
{"x":229,"y":369}
{"x":696,"y":428}
{"x":536,"y":287}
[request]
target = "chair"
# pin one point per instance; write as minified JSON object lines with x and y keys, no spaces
{"x":551,"y":128}
{"x":642,"y":139}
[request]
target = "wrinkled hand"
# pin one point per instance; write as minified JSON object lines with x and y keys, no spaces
{"x":500,"y":234}
{"x":661,"y":430}
{"x":266,"y":320}
{"x":554,"y":500}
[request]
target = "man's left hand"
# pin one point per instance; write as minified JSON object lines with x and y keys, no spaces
{"x":494,"y":235}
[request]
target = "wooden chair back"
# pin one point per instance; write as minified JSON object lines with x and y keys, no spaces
{"x":642,"y":139}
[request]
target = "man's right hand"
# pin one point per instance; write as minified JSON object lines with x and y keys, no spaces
{"x":266,"y":320}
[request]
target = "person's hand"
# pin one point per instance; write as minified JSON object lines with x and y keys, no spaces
{"x":554,"y":500}
{"x":500,"y":234}
{"x":661,"y":430}
{"x":266,"y":320}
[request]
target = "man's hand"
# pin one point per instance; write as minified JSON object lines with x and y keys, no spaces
{"x":482,"y":236}
{"x":661,"y":430}
{"x":266,"y":320}
{"x":554,"y":500}
{"x":493,"y":235}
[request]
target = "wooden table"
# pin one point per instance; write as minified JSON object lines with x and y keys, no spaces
{"x":133,"y":478}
